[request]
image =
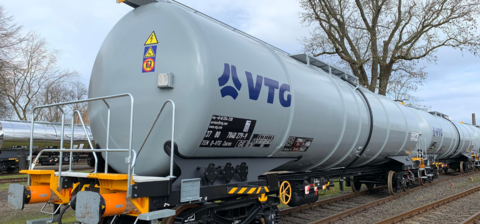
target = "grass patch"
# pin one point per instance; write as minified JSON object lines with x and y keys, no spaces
{"x":25,"y":217}
{"x":476,"y":179}
{"x":4,"y":187}
{"x":69,"y":217}
{"x":12,"y":176}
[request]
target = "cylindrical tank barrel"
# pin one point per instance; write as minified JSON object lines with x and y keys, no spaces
{"x":237,"y":97}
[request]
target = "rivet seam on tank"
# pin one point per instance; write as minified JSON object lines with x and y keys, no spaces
{"x":149,"y":53}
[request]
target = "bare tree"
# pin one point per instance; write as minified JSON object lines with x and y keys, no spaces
{"x":376,"y":36}
{"x":35,"y":69}
{"x":10,"y":40}
{"x":65,"y":91}
{"x":79,"y":91}
{"x":404,"y":80}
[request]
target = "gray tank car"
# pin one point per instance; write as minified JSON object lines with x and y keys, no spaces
{"x":233,"y":92}
{"x":245,"y":110}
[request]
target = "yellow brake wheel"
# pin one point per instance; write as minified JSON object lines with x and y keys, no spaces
{"x":285,"y":192}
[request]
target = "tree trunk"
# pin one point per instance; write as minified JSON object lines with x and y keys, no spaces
{"x":384,"y":78}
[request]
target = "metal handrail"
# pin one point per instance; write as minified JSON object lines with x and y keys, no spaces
{"x":86,"y":134}
{"x":173,"y":136}
{"x":61,"y":150}
{"x":108,"y":135}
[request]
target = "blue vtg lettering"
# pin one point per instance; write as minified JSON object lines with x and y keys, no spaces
{"x":255,"y":86}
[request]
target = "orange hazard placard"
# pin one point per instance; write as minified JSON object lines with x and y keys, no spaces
{"x":148,"y":65}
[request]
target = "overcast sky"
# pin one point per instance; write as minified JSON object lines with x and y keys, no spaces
{"x":78,"y":28}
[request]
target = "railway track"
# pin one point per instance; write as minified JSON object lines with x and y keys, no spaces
{"x":472,"y":219}
{"x":24,"y":178}
{"x":13,"y":180}
{"x":455,"y":213}
{"x":79,"y":167}
{"x":313,"y":213}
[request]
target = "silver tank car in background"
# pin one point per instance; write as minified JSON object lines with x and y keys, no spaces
{"x":16,"y":134}
{"x":15,"y":142}
{"x":238,"y":97}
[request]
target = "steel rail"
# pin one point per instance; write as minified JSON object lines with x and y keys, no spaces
{"x":327,"y":201}
{"x":472,"y":219}
{"x":13,"y":180}
{"x":425,"y":208}
{"x":355,"y":210}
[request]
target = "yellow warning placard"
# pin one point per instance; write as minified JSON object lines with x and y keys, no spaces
{"x":152,"y":39}
{"x":149,"y":53}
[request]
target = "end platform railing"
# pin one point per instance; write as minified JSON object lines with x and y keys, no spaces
{"x":130,"y":150}
{"x":132,"y":154}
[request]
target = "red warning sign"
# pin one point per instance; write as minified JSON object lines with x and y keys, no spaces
{"x":148,"y":65}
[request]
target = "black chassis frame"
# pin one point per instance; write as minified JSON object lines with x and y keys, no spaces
{"x":249,"y":172}
{"x":454,"y":163}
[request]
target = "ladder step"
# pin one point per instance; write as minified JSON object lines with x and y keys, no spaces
{"x":40,"y":221}
{"x":156,"y":214}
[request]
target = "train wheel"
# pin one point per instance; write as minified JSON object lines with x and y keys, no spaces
{"x":461,"y":167}
{"x":178,"y":210}
{"x":421,"y":181}
{"x":392,"y":189}
{"x":285,"y":192}
{"x":271,"y":215}
{"x":356,"y":186}
{"x":405,"y":185}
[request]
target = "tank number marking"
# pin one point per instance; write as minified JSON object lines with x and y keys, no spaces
{"x":437,"y":132}
{"x":228,"y":132}
{"x":414,"y":136}
{"x":297,"y":144}
{"x":261,"y":141}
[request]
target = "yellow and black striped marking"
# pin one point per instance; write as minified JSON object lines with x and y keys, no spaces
{"x":248,"y":190}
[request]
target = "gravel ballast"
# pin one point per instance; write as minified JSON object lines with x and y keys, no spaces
{"x":416,"y":199}
{"x":454,"y":212}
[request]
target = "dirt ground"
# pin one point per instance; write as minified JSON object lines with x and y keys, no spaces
{"x":18,"y":216}
{"x":30,"y":212}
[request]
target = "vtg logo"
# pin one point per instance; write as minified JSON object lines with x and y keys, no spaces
{"x":254,"y":87}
